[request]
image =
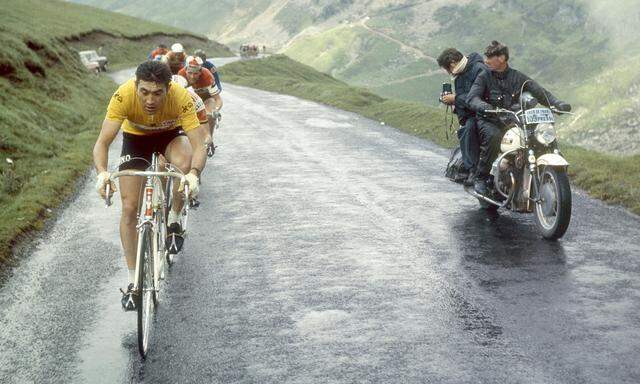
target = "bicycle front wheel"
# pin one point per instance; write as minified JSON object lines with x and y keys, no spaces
{"x":146,"y":290}
{"x":169,"y":204}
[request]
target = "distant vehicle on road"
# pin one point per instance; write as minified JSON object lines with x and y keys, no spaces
{"x":247,"y":51}
{"x":90,"y":59}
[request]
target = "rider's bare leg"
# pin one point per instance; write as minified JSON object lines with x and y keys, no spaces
{"x":130,"y":196}
{"x":210,"y":106}
{"x":178,"y":153}
{"x":218,"y":100}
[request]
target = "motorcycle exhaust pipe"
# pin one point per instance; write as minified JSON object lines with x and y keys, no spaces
{"x":475,"y":194}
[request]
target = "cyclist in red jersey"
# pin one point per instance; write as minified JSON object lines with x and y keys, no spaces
{"x":160,"y":51}
{"x":201,"y":111}
{"x":204,"y":84}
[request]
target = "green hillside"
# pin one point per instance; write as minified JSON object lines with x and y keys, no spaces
{"x":550,"y":39}
{"x":207,"y":17}
{"x":610,"y":178}
{"x":356,"y":55}
{"x":51,"y":108}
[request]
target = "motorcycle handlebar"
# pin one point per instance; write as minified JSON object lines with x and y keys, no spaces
{"x":559,"y":112}
{"x":500,"y":110}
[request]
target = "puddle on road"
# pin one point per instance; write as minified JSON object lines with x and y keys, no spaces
{"x":112,"y":344}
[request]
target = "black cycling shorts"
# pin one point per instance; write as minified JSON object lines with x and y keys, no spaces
{"x":135,"y":148}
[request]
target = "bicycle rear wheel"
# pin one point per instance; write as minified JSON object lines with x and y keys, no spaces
{"x":146,"y":290}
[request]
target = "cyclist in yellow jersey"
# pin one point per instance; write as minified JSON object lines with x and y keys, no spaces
{"x":156,"y":115}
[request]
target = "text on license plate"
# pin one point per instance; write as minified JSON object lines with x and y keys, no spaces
{"x":538,"y":115}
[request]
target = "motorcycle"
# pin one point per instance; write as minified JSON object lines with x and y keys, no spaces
{"x":530,"y":173}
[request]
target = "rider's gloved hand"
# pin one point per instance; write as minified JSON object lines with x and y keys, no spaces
{"x":194,"y":184}
{"x":563,"y":107}
{"x":101,"y":184}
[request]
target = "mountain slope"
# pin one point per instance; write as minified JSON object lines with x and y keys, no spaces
{"x":389,"y":46}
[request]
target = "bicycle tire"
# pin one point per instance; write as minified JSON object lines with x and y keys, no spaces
{"x":169,"y":204}
{"x":145,"y":303}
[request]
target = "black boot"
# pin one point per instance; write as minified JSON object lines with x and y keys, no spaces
{"x":461,"y":176}
{"x":480,"y":185}
{"x":468,"y":182}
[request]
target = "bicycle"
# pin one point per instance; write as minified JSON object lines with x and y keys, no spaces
{"x":152,"y":257}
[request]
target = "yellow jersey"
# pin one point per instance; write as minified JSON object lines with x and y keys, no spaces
{"x":178,"y":110}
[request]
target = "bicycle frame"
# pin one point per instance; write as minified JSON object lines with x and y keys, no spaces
{"x":150,"y":203}
{"x":151,"y":227}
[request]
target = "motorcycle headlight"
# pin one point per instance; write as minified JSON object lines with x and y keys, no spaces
{"x":545,"y":133}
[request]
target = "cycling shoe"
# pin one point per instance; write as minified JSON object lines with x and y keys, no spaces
{"x":128,"y":300}
{"x":175,"y":238}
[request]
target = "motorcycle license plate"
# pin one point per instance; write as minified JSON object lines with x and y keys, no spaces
{"x":538,"y":116}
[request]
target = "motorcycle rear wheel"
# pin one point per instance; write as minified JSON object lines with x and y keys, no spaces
{"x":553,"y":212}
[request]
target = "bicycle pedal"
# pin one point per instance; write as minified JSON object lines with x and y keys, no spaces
{"x":211,"y":150}
{"x":174,"y":243}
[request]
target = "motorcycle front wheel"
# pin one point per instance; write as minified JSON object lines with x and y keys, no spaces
{"x":553,"y":210}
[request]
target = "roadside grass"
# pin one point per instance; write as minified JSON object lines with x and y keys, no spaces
{"x":610,"y":109}
{"x":51,"y":107}
{"x":613,"y":179}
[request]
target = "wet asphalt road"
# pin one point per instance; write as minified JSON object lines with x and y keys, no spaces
{"x":330,"y":249}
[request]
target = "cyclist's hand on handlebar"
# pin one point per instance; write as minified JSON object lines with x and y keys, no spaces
{"x":101,"y":184}
{"x":193,"y":182}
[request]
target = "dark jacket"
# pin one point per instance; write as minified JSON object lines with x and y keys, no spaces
{"x":502,"y":89}
{"x":462,"y":85}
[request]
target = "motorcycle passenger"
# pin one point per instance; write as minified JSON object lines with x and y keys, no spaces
{"x":500,"y":88}
{"x":464,"y":70}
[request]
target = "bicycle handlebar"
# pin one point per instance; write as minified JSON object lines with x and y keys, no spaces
{"x":130,"y":172}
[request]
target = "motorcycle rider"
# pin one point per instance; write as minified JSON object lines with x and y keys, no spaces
{"x":500,"y":88}
{"x":464,"y":70}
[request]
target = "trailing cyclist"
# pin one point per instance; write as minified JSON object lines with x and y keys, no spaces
{"x":175,"y":58}
{"x":156,"y":115}
{"x":204,"y":84}
{"x":201,"y":111}
{"x":216,"y":75}
{"x":160,"y":51}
